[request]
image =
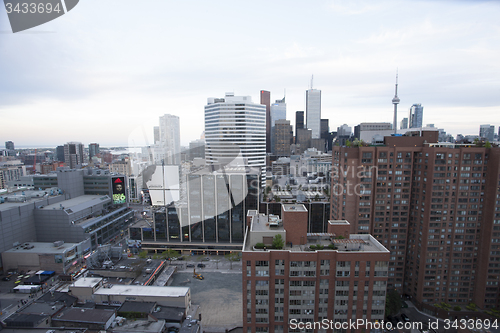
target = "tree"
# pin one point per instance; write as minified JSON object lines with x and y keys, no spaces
{"x":278,"y":242}
{"x":348,"y":143}
{"x":277,"y":199}
{"x":487,"y":144}
{"x":393,"y":303}
{"x":170,"y":253}
{"x":268,"y":189}
{"x":471,"y":307}
{"x":316,"y":197}
{"x":233,"y":256}
{"x":443,"y":305}
{"x":143,"y":254}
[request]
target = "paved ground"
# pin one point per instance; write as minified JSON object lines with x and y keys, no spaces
{"x":219,"y":295}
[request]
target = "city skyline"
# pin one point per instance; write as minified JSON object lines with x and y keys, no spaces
{"x":114,"y":76}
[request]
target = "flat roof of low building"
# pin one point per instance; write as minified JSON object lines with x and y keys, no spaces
{"x":142,"y":307}
{"x":262,"y":222}
{"x":29,"y":200}
{"x":42,"y":248}
{"x":86,"y":282}
{"x":142,"y":326}
{"x":134,"y":290}
{"x":78,"y":203}
{"x":42,"y":308}
{"x":57,"y":296}
{"x":85,"y":315}
{"x":294,"y":208}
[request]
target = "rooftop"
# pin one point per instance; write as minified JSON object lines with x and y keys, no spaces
{"x":29,"y":197}
{"x":294,"y":208}
{"x":86,"y":282}
{"x":42,"y":248}
{"x":85,"y":315}
{"x":79,"y":203}
{"x":142,"y":307}
{"x":142,"y":326}
{"x":263,"y":222}
{"x":42,"y":308}
{"x":134,"y":290}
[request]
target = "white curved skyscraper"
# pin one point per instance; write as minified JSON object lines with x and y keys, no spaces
{"x":313,"y":112}
{"x":170,"y":140}
{"x":235,"y":131}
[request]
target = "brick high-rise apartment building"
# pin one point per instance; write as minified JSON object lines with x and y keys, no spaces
{"x":435,"y":207}
{"x":296,"y":283}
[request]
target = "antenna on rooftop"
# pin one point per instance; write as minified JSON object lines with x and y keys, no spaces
{"x":312,"y":77}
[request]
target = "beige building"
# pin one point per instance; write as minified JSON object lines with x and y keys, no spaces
{"x":121,"y":167}
{"x":94,"y":290}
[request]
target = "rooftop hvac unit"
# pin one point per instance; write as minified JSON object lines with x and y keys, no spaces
{"x":58,"y":243}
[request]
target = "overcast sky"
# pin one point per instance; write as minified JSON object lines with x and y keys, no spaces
{"x":105,"y":71}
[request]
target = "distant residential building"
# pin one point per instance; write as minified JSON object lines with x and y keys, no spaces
{"x":122,"y":167}
{"x":73,"y":154}
{"x":196,"y":149}
{"x":416,"y":116}
{"x":344,"y":130}
{"x":10,"y":171}
{"x":366,"y":131}
{"x":9,"y":145}
{"x":170,"y":139}
{"x":404,"y":123}
{"x":235,"y":132}
{"x":156,"y":134}
{"x":93,"y":150}
{"x":303,"y":138}
{"x":60,"y":153}
{"x":487,"y":132}
{"x":313,"y":112}
{"x":282,"y":138}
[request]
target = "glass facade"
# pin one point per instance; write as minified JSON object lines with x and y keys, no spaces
{"x":215,"y":211}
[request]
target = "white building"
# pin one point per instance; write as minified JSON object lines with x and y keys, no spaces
{"x":235,"y":132}
{"x":313,"y":112}
{"x":170,"y":139}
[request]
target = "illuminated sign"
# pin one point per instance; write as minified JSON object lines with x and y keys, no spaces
{"x":119,"y":190}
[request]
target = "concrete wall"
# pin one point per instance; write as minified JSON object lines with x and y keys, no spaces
{"x":55,"y":224}
{"x":21,"y":261}
{"x":71,"y":182}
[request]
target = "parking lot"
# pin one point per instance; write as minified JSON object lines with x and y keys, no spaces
{"x":219,"y":294}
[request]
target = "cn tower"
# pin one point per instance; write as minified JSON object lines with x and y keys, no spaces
{"x":395,"y":101}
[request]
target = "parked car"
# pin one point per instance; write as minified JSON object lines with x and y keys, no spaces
{"x":190,"y":265}
{"x":405,"y":318}
{"x":6,"y":278}
{"x":206,"y":259}
{"x":201,"y":265}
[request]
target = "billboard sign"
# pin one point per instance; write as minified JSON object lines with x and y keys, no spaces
{"x":119,"y":196}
